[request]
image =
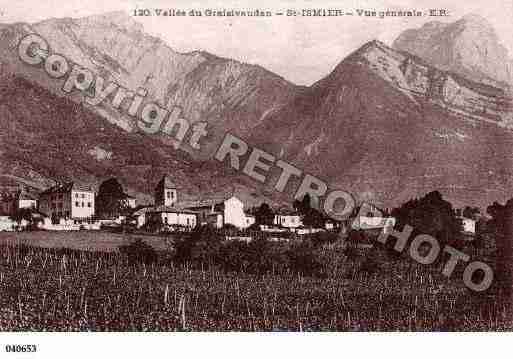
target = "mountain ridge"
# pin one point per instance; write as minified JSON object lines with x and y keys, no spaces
{"x":227,"y":94}
{"x":385,"y":125}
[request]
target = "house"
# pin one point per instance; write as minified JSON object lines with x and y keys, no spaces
{"x":172,"y":216}
{"x":166,"y":216}
{"x":293,"y":221}
{"x":386,"y":224}
{"x":330,"y":224}
{"x":68,"y":201}
{"x":7,"y":224}
{"x":210,"y":211}
{"x":288,"y":218}
{"x":130,"y":201}
{"x":469,"y":225}
{"x":26,"y":200}
{"x":142,"y":216}
{"x":234,"y":213}
{"x":221,"y":211}
{"x":12,"y":202}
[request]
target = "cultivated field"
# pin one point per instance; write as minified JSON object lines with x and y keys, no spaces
{"x":66,"y":290}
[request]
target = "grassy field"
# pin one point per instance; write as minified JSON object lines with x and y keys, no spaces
{"x":66,"y":290}
{"x":80,"y":240}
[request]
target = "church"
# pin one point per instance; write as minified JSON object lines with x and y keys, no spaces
{"x":170,"y":211}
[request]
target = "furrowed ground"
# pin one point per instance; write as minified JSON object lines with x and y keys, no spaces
{"x":55,"y":289}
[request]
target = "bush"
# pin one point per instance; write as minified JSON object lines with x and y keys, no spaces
{"x":261,"y":256}
{"x":139,"y":252}
{"x":201,"y":245}
{"x":265,"y":256}
{"x":322,"y":238}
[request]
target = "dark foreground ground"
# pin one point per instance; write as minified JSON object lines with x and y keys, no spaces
{"x":49,"y":289}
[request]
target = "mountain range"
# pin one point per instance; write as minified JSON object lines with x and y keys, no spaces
{"x":388,"y":123}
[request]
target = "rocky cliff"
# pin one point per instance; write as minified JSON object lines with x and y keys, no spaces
{"x":469,"y":47}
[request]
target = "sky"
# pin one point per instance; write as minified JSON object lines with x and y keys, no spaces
{"x":301,"y":49}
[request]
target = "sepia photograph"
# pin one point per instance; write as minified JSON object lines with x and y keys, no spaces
{"x":243,"y":167}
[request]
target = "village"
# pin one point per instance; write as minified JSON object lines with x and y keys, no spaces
{"x":72,"y":207}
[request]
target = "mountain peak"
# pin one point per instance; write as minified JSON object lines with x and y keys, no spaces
{"x":469,"y":47}
{"x":120,"y":19}
{"x":365,"y":48}
{"x":475,"y":19}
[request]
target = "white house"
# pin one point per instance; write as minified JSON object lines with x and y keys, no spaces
{"x":330,"y":225}
{"x":210,"y":211}
{"x":469,"y":225}
{"x":11,"y":202}
{"x":7,"y":224}
{"x":68,"y":201}
{"x":26,"y":200}
{"x":370,"y":222}
{"x":220,"y":211}
{"x":172,"y":216}
{"x":142,"y":216}
{"x":130,"y":201}
{"x":234,"y":213}
{"x":288,"y":219}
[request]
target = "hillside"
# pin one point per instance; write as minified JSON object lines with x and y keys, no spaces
{"x":46,"y":138}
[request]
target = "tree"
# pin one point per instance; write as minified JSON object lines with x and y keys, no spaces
{"x":264,"y":215}
{"x":431,"y":215}
{"x":313,"y":218}
{"x":501,"y":226}
{"x":111,"y":199}
{"x":304,"y":205}
{"x":471,"y":212}
{"x":310,"y":216}
{"x":25,"y":214}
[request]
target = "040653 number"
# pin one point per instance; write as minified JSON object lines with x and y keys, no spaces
{"x":17,"y":348}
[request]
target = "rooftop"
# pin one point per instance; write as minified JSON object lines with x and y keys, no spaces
{"x":171,"y":209}
{"x":67,"y":187}
{"x":166,"y":182}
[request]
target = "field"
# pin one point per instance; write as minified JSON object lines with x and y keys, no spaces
{"x":80,"y":240}
{"x":52,"y":289}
